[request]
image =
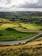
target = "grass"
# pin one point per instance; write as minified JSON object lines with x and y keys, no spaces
{"x":31,"y":26}
{"x":29,"y":49}
{"x":13,"y":34}
{"x":19,"y":24}
{"x":17,"y":30}
{"x":8,"y":32}
{"x":28,"y":26}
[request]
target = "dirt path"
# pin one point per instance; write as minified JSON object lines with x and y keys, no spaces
{"x":28,"y":45}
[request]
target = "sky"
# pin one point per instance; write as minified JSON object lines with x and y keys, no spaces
{"x":12,"y":5}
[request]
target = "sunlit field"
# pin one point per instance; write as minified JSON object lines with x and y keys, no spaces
{"x":17,"y":30}
{"x":18,"y":25}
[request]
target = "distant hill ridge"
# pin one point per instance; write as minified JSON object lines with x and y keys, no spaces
{"x":19,"y":14}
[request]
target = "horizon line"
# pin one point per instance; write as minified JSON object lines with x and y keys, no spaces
{"x":21,"y":9}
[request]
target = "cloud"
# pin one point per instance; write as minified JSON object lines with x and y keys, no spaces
{"x":12,"y":4}
{"x":32,"y":4}
{"x":16,"y":3}
{"x":7,"y":3}
{"x":29,"y":3}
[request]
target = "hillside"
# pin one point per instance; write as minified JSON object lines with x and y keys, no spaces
{"x":17,"y":27}
{"x":30,"y":49}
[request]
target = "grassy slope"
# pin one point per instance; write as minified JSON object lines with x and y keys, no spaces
{"x":19,"y":33}
{"x":33,"y":48}
{"x":18,"y":25}
{"x":13,"y":34}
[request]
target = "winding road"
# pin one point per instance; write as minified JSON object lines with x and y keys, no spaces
{"x":21,"y":42}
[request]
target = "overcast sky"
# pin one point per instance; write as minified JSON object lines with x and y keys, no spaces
{"x":11,"y":5}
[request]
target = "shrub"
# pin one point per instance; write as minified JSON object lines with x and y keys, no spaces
{"x":10,"y":29}
{"x":1,"y":34}
{"x":24,"y":54}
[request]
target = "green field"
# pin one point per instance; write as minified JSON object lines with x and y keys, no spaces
{"x":21,"y":25}
{"x":17,"y":30}
{"x":12,"y":34}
